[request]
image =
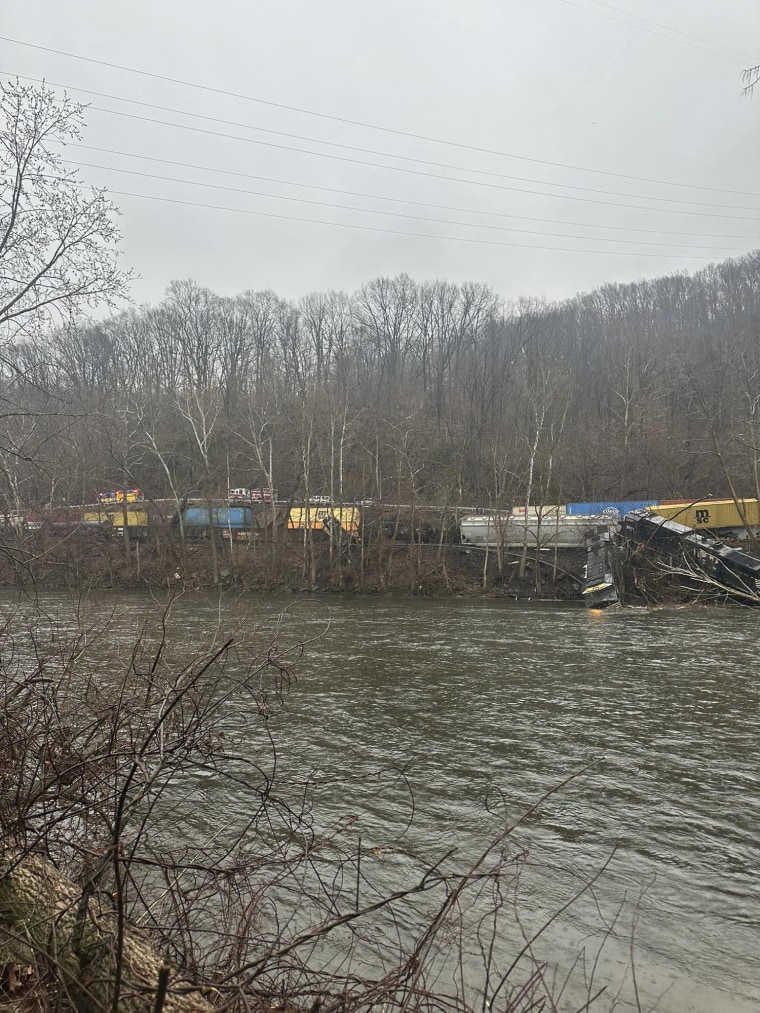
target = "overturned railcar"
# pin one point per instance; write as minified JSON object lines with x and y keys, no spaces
{"x":553,"y":531}
{"x":736,"y":571}
{"x":599,"y":580}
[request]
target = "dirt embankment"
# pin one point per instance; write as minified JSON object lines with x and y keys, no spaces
{"x":80,"y":561}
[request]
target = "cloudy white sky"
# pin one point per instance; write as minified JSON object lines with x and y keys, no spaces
{"x":541,"y":146}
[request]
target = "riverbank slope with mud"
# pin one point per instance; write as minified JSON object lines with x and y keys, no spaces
{"x":82,"y":561}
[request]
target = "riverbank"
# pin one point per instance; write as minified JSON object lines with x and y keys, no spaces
{"x":83,"y":561}
{"x":79,"y":561}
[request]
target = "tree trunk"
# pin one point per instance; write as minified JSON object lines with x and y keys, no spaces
{"x":70,"y":942}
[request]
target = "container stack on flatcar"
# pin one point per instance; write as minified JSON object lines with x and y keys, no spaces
{"x":615,"y":508}
{"x":726,"y":517}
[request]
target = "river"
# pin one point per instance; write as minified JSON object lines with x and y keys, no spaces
{"x":438,"y":723}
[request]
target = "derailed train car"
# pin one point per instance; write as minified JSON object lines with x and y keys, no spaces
{"x":552,"y":531}
{"x":736,"y":571}
{"x":718,"y":516}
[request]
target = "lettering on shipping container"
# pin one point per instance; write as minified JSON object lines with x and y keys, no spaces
{"x":702,"y":516}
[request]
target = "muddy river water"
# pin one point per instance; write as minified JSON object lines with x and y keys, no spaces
{"x":461,"y":714}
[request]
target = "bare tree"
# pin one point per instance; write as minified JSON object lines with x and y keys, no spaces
{"x":385,"y":312}
{"x":57,"y":239}
{"x":750,"y":77}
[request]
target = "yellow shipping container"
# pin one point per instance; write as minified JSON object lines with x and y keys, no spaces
{"x":135,"y":518}
{"x":711,"y":514}
{"x":314,"y":517}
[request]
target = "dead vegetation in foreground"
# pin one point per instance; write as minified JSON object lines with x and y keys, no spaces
{"x":112,"y":897}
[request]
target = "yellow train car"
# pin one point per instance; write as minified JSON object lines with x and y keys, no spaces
{"x":712,"y":514}
{"x":135,"y":518}
{"x":314,"y":517}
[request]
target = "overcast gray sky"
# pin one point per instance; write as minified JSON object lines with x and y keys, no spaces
{"x":618,"y":143}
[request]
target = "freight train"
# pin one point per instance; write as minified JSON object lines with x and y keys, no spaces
{"x":101,"y":520}
{"x":241,"y":521}
{"x":565,"y":527}
{"x":547,"y":527}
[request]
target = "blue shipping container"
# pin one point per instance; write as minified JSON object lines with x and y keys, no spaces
{"x":616,"y":507}
{"x":236,"y":518}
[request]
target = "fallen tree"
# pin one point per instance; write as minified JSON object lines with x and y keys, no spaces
{"x":56,"y":937}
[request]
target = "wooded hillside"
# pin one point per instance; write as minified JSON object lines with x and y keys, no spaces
{"x":412,"y":392}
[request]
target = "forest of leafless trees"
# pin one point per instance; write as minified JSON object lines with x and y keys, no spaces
{"x":403,"y":391}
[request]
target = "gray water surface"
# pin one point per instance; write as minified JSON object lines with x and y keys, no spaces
{"x":439,"y":723}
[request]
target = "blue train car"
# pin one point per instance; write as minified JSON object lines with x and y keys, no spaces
{"x":616,"y":508}
{"x":198,"y":521}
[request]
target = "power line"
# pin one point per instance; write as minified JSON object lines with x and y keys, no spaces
{"x":397,"y":214}
{"x":399,"y":232}
{"x":352,"y":122}
{"x":387,"y":154}
{"x":677,"y":31}
{"x":405,"y":200}
{"x":432,"y":175}
{"x":649,"y":31}
{"x":419,"y":161}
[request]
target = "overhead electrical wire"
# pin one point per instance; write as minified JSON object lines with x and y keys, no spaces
{"x":383,"y":154}
{"x":423,"y":161}
{"x":650,"y":31}
{"x":433,"y":175}
{"x":353,"y":122}
{"x":398,"y":214}
{"x":403,"y":200}
{"x":399,"y":232}
{"x":430,"y":163}
{"x":670,"y":28}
